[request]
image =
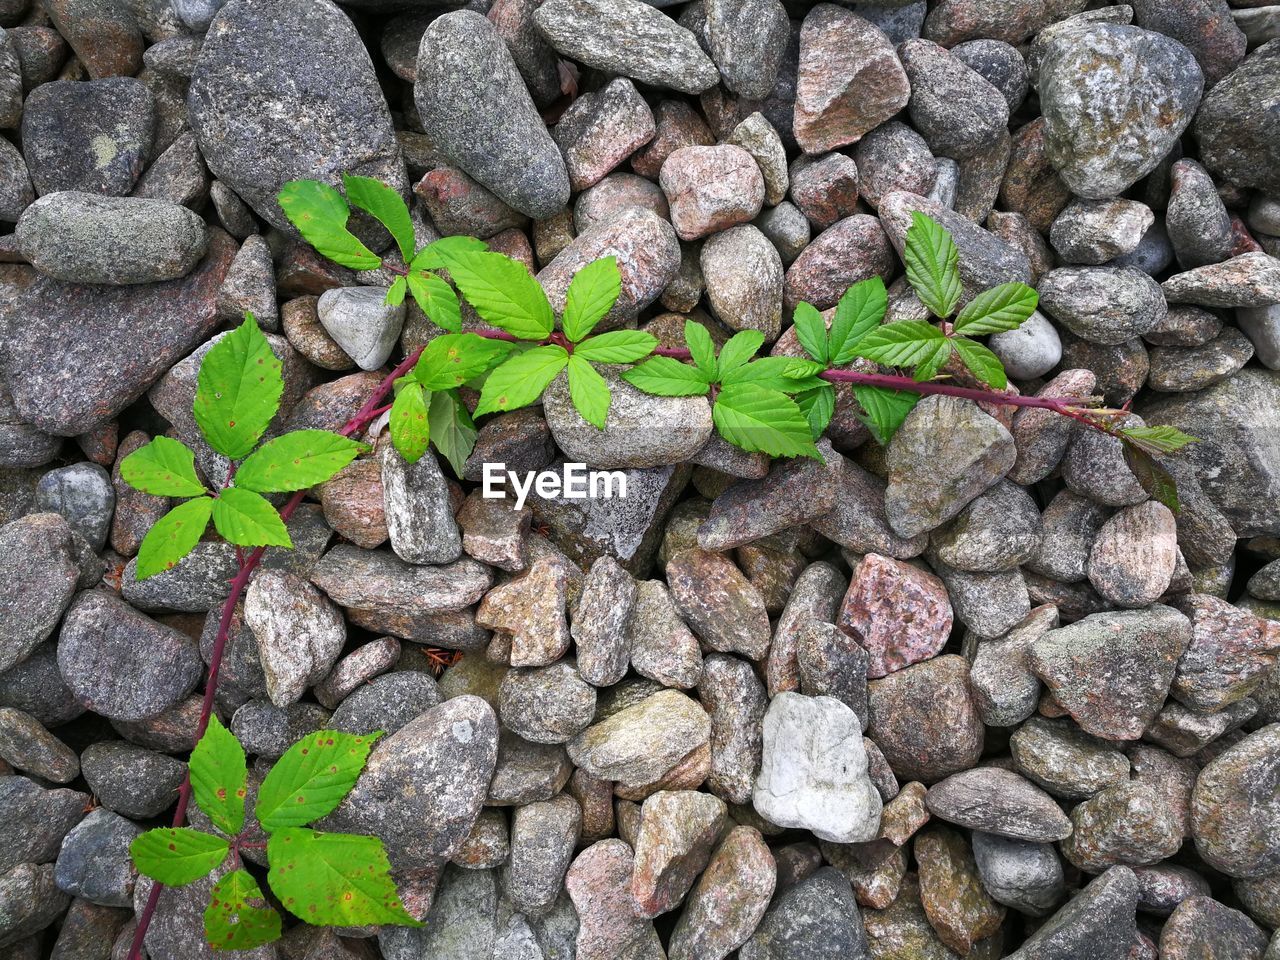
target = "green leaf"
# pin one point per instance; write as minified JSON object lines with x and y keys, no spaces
{"x":811,"y":330}
{"x":503,"y":293}
{"x":238,"y":916}
{"x":397,"y":290}
{"x":668,"y":377}
{"x":1158,"y":439}
{"x":1001,"y":308}
{"x":410,"y":428}
{"x":177,"y":855}
{"x":172,"y":537}
{"x":592,"y":293}
{"x":588,"y":391}
{"x":520,"y":381}
{"x":219,"y":777}
{"x":984,"y":364}
{"x":296,"y":461}
{"x":1154,"y":479}
{"x":386,"y":206}
{"x":451,"y":429}
{"x":164,"y":467}
{"x":929,"y":366}
{"x":435,"y":255}
{"x":437,"y":300}
{"x":742,"y":346}
{"x":617,"y":346}
{"x":902,"y":344}
{"x":698,"y":339}
{"x":933,"y":265}
{"x":785,"y":374}
{"x":756,"y":419}
{"x":859,"y":312}
{"x":248,"y":520}
{"x":818,"y":405}
{"x":238,"y":390}
{"x":885,"y":410}
{"x":312,"y":777}
{"x":453,"y":359}
{"x":320,"y":213}
{"x":339,"y":879}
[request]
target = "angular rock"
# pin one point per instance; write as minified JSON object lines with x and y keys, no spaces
{"x":532,"y":610}
{"x":599,"y":883}
{"x":898,"y":613}
{"x":550,"y":704}
{"x":728,"y":901}
{"x":362,"y":323}
{"x":299,"y":631}
{"x":1229,"y":656}
{"x":1127,"y":823}
{"x":720,"y":605}
{"x":1099,"y":921}
{"x":1235,"y":128}
{"x":951,"y":892}
{"x":600,"y":130}
{"x":999,"y":802}
{"x":641,"y":743}
{"x":1202,"y":927}
{"x":678,"y":828}
{"x":1132,"y":561}
{"x":711,"y":188}
{"x":1095,"y":231}
{"x":957,"y":111}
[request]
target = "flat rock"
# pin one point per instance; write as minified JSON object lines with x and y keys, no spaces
{"x":1097,"y":922}
{"x":1249,"y":280}
{"x":382,"y":583}
{"x":999,"y":802}
{"x":735,"y":700}
{"x":1104,"y":305}
{"x":640,"y":743}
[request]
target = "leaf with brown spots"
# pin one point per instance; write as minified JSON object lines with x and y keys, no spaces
{"x":312,"y":777}
{"x":334,"y":878}
{"x":238,"y":390}
{"x":238,"y":917}
{"x":296,"y":461}
{"x":172,"y":537}
{"x":177,"y":855}
{"x":219,"y":777}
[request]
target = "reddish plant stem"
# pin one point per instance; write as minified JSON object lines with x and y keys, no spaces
{"x":367,"y":413}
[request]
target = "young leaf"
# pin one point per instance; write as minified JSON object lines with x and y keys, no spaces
{"x":219,"y":777}
{"x":320,"y":213}
{"x":238,"y":390}
{"x":238,"y":916}
{"x":248,"y":520}
{"x":902,"y":344}
{"x":859,"y":312}
{"x":164,"y":467}
{"x":592,"y":292}
{"x":504,"y":293}
{"x":811,"y":330}
{"x":437,"y":300}
{"x":312,"y":777}
{"x":617,"y":346}
{"x":435,"y":255}
{"x":756,"y":419}
{"x":742,"y":346}
{"x":984,"y":364}
{"x":172,"y":537}
{"x":334,"y":878}
{"x":668,"y":377}
{"x":452,"y":359}
{"x":1158,"y":439}
{"x":410,"y":428}
{"x":296,"y":461}
{"x":520,"y":381}
{"x":588,"y":391}
{"x":451,"y":429}
{"x":928,"y":366}
{"x":885,"y":410}
{"x":818,"y":405}
{"x":386,"y":206}
{"x":933,"y":265}
{"x":698,"y":340}
{"x":1004,"y":307}
{"x":785,"y":374}
{"x":1154,"y":479}
{"x":177,"y":855}
{"x":396,"y":292}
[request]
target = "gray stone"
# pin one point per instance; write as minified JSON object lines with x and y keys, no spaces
{"x":1235,"y":806}
{"x":550,"y":704}
{"x":35,"y":820}
{"x":997,"y":531}
{"x":1262,"y":326}
{"x":29,"y":902}
{"x":35,"y":686}
{"x":1005,"y":690}
{"x":131,"y":780}
{"x":1020,"y":874}
{"x":1000,"y":64}
{"x":1197,"y":220}
{"x":362,"y":323}
{"x":736,"y":701}
{"x":600,"y":624}
{"x":1133,"y":559}
{"x":387,"y":702}
{"x":381,"y":583}
{"x":94,"y":861}
{"x":1064,"y":760}
{"x":1030,"y":351}
{"x":1235,"y":127}
{"x":616,"y":192}
{"x":600,"y":130}
{"x":757,"y":136}
{"x":543,"y":836}
{"x":38,"y":564}
{"x":1097,"y":923}
{"x":661,"y":646}
{"x":744,"y":280}
{"x":748,"y":40}
{"x":250,"y":286}
{"x":267,"y":731}
{"x":27,"y":746}
{"x":722,"y":607}
{"x":817,"y":917}
{"x":1184,"y":369}
{"x":641,"y":743}
{"x":1105,"y":305}
{"x":419,"y":509}
{"x":1095,"y":231}
{"x":16,"y":192}
{"x":953,"y":106}
{"x":1249,"y":280}
{"x":998,"y":801}
{"x":177,"y":929}
{"x":300,"y":633}
{"x":893,"y":157}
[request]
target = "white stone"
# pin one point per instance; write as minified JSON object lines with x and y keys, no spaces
{"x":300,"y":633}
{"x":1030,"y":351}
{"x":415,"y":498}
{"x":362,"y":323}
{"x":813,"y":773}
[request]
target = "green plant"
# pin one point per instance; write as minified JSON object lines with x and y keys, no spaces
{"x":337,"y":879}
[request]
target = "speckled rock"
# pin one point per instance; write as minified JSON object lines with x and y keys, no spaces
{"x":728,"y":901}
{"x":640,"y":743}
{"x":1018,"y":873}
{"x":1105,"y":305}
{"x":1098,"y":920}
{"x":736,"y":702}
{"x":1095,"y":231}
{"x":1064,"y":760}
{"x":1230,"y":653}
{"x":1202,"y":927}
{"x":816,"y":917}
{"x":531,"y":609}
{"x":744,"y":280}
{"x":1132,"y":561}
{"x":1249,"y":280}
{"x":898,"y":613}
{"x":599,"y":883}
{"x":849,"y":251}
{"x":999,"y":802}
{"x":550,"y":704}
{"x":1235,"y":128}
{"x":711,"y":188}
{"x":600,"y":130}
{"x":1126,"y":823}
{"x":954,"y":108}
{"x":910,"y":709}
{"x":1235,"y":806}
{"x":720,"y":605}
{"x":678,"y":829}
{"x":951,"y":892}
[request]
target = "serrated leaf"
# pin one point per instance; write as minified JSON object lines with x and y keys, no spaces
{"x":929,"y":366}
{"x":591,"y":294}
{"x":859,"y":312}
{"x":698,"y":339}
{"x":503,"y":293}
{"x":435,"y":255}
{"x":818,"y":406}
{"x":1162,"y":439}
{"x":410,"y":428}
{"x":177,"y":855}
{"x":164,"y":467}
{"x":312,"y":777}
{"x":520,"y":380}
{"x":320,"y":213}
{"x":617,"y":346}
{"x":667,"y":377}
{"x":756,"y":419}
{"x":740,"y":348}
{"x":902,"y":344}
{"x":451,"y":429}
{"x":451,"y":360}
{"x":219,"y":777}
{"x":172,"y":537}
{"x":982,"y":363}
{"x":885,"y":410}
{"x":386,"y":206}
{"x":248,"y":520}
{"x":588,"y":391}
{"x":933,"y":265}
{"x":811,"y":331}
{"x":238,"y":916}
{"x":1001,"y":308}
{"x":785,"y":374}
{"x":1153,"y":478}
{"x":296,"y":461}
{"x":397,"y":290}
{"x":436,"y":299}
{"x":339,"y":879}
{"x":238,"y":391}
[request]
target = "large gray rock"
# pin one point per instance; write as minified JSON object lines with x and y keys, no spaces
{"x":299,"y":631}
{"x":1237,"y":128}
{"x":813,"y":919}
{"x":38,"y":567}
{"x":1097,"y":924}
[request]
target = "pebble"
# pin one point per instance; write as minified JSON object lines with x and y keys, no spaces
{"x":718,"y":603}
{"x":757,"y":136}
{"x":678,"y":829}
{"x":1030,"y":351}
{"x":1249,"y":280}
{"x":1123,"y":824}
{"x":361,"y":323}
{"x":736,"y":702}
{"x":1005,"y":690}
{"x":300,"y":633}
{"x":1104,"y":305}
{"x":910,"y":709}
{"x":1021,"y":874}
{"x":641,"y":743}
{"x":849,"y":251}
{"x":816,"y":917}
{"x":726,"y":904}
{"x":744,"y":280}
{"x":893,"y":157}
{"x":901,"y":615}
{"x":711,"y":189}
{"x":27,"y":746}
{"x":94,"y":861}
{"x":1197,"y":220}
{"x":999,"y":802}
{"x":825,"y":189}
{"x":1000,"y":64}
{"x":600,"y":130}
{"x":131,"y":780}
{"x":617,"y":192}
{"x":954,"y":108}
{"x":550,"y":704}
{"x":600,"y":623}
{"x":1132,"y":561}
